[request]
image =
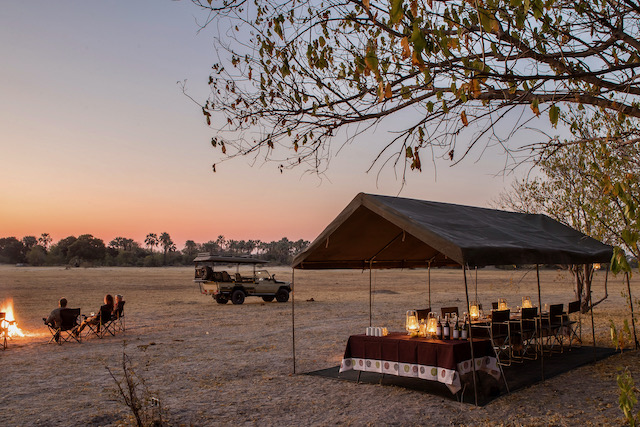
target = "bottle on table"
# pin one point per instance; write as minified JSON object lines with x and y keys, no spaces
{"x":465,"y":331}
{"x":439,"y":329}
{"x":456,"y":329}
{"x":446,"y":331}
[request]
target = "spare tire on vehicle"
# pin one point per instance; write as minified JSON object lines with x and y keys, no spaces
{"x":282,"y":295}
{"x":237,"y":297}
{"x":207,"y":273}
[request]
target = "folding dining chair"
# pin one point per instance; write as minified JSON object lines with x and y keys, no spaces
{"x":423,"y":313}
{"x":500,"y":334}
{"x":551,"y":329}
{"x":572,"y":327}
{"x":448,"y":311}
{"x":527,"y":334}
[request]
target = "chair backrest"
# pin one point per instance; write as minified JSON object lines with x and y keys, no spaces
{"x":555,"y":310}
{"x":494,"y":305}
{"x":69,"y":318}
{"x":500,"y":316}
{"x":448,"y":311}
{"x":423,"y":313}
{"x":119,"y":311}
{"x":574,"y":306}
{"x":106,"y":312}
{"x":529,"y":313}
{"x":226,"y":277}
{"x":238,"y":277}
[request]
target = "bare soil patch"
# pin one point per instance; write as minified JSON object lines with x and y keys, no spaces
{"x":212,"y":364}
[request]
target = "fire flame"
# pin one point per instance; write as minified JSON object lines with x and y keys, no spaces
{"x":9,"y":320}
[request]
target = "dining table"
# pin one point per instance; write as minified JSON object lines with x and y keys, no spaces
{"x":447,"y":361}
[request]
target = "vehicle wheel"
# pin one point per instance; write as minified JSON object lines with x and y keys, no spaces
{"x":268,"y":299}
{"x":237,"y":297}
{"x":282,"y":295}
{"x":221,"y":299}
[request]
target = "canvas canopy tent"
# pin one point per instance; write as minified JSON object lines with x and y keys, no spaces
{"x":392,"y":232}
{"x":376,"y":231}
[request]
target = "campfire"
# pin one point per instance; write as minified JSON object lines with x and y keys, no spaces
{"x":9,"y":322}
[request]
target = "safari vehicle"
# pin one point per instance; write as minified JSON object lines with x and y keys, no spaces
{"x":223,"y":287}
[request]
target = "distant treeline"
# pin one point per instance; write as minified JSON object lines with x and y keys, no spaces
{"x":158,"y":250}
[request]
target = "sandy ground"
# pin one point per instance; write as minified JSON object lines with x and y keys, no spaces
{"x":211,"y":364}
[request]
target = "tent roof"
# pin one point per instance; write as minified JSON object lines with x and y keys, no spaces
{"x":395,"y":232}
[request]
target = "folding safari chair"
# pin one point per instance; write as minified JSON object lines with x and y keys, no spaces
{"x":4,"y":330}
{"x":105,"y":325}
{"x":551,"y":328}
{"x":527,"y":332}
{"x":573,"y":328}
{"x":66,"y":331}
{"x":118,"y":317}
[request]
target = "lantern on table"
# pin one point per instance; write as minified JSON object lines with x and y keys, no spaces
{"x":502,"y":304}
{"x":432,"y":325}
{"x":526,"y":302}
{"x":411,"y":322}
{"x":474,"y":310}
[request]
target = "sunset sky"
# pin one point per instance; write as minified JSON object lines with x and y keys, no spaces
{"x":97,"y":137}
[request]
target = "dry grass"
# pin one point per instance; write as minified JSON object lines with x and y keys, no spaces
{"x":224,"y":364}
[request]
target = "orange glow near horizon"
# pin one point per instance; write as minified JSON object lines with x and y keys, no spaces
{"x":243,"y":219}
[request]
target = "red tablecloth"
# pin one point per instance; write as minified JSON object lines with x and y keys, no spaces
{"x":431,"y":359}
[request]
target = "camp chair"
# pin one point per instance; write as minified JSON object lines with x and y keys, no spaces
{"x":105,"y":325}
{"x":449,"y":311}
{"x":551,"y":328}
{"x":4,"y":330}
{"x":118,"y":317}
{"x":527,"y":334}
{"x":571,"y":327}
{"x":65,"y":332}
{"x":423,"y":313}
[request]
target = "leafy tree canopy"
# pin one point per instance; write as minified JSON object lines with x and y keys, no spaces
{"x":293,"y":74}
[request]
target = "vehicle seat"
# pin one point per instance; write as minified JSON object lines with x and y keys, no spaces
{"x":226,"y":277}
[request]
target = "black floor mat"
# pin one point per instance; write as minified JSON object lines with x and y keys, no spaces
{"x":519,"y":375}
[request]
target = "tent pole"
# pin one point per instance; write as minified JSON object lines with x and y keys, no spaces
{"x":293,"y":319}
{"x":476,"y":285}
{"x":370,"y":294}
{"x":473,"y":360}
{"x":429,"y":276}
{"x":540,"y":323}
{"x":593,"y":326}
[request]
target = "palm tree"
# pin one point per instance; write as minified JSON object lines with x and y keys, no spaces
{"x":45,"y":240}
{"x":167,"y":245}
{"x":190,"y":248}
{"x":151,"y":241}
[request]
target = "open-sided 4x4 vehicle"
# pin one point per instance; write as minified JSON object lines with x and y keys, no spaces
{"x":225,"y":287}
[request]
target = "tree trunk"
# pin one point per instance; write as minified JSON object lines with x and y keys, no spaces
{"x":584,"y":278}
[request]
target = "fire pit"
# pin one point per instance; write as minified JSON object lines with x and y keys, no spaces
{"x":8,"y":325}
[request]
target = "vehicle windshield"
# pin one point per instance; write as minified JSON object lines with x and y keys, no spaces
{"x":262,"y":274}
